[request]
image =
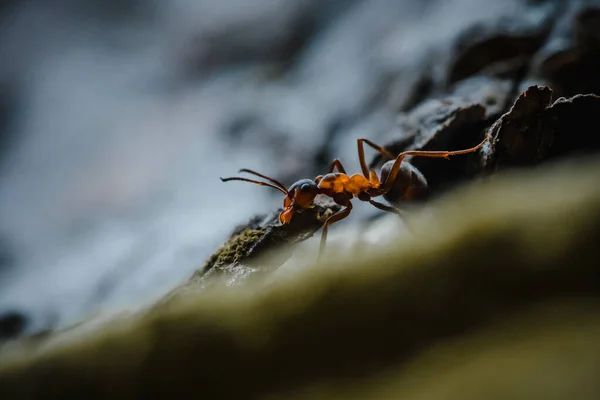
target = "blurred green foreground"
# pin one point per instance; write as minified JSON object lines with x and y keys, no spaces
{"x":495,"y":297}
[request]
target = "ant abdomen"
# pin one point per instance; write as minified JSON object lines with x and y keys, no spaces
{"x":410,"y":184}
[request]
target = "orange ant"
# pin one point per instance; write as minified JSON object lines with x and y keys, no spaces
{"x":403,"y":178}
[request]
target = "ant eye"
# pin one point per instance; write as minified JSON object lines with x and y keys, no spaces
{"x":305,"y":187}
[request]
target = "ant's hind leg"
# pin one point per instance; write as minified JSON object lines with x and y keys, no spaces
{"x":397,"y":211}
{"x":361,"y":154}
{"x":391,"y":178}
{"x":387,"y":208}
{"x":334,"y":218}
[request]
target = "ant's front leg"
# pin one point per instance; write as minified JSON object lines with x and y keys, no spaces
{"x":341,"y":214}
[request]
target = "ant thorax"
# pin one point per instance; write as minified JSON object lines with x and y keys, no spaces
{"x":340,"y":183}
{"x":334,"y":182}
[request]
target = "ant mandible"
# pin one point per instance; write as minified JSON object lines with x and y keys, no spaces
{"x":343,"y":188}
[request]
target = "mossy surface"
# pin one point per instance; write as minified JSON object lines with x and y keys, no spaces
{"x":234,"y":249}
{"x":264,"y":233}
{"x":258,"y":246}
{"x":497,"y":292}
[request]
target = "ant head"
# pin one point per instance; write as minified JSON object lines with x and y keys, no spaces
{"x":300,"y":195}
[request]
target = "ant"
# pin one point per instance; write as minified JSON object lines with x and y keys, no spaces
{"x":403,"y":179}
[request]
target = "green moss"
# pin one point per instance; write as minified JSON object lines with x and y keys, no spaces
{"x":233,"y":250}
{"x":264,"y":233}
{"x":249,"y":250}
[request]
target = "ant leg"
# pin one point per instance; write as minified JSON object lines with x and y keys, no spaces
{"x":385,"y":207}
{"x":337,"y":163}
{"x":334,"y":218}
{"x":361,"y":154}
{"x":389,"y":181}
{"x":395,"y":210}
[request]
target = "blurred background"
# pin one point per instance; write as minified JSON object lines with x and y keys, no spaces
{"x":117,"y":118}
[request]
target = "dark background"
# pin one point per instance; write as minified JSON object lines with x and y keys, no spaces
{"x":118,"y":117}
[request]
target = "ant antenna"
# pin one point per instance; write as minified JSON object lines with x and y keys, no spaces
{"x":284,"y":191}
{"x":264,"y":176}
